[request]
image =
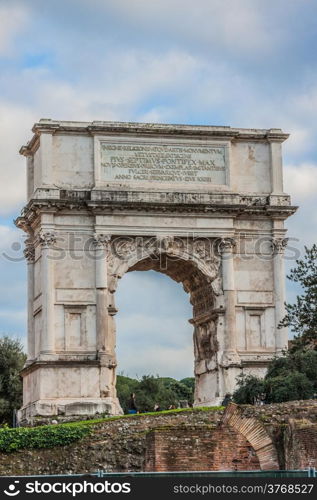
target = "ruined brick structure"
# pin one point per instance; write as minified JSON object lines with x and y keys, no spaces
{"x":269,"y":437}
{"x":199,"y":448}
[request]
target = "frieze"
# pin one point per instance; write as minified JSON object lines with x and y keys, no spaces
{"x":110,"y":201}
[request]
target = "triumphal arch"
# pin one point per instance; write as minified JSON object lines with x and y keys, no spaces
{"x":204,"y":205}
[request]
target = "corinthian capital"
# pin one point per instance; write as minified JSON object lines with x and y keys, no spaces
{"x":29,"y":251}
{"x":47,"y":239}
{"x":279,"y":245}
{"x":226,"y":245}
{"x":102,"y":240}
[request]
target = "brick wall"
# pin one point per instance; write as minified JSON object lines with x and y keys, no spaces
{"x":300,"y":445}
{"x":194,"y":448}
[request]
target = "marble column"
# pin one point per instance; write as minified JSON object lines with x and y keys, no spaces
{"x":281,"y":336}
{"x":102,"y":249}
{"x":29,"y":254}
{"x":226,"y":248}
{"x":47,"y":240}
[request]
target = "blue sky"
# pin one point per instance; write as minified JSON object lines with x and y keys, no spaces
{"x":244,"y":63}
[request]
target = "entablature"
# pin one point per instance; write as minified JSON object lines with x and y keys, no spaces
{"x":96,"y":202}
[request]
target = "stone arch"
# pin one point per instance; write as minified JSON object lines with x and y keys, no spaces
{"x":201,"y":253}
{"x":140,"y":180}
{"x":196,"y":264}
{"x":255,"y":432}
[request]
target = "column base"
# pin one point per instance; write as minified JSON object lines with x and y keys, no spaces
{"x":52,"y":411}
{"x":67,"y":390}
{"x":211,"y":402}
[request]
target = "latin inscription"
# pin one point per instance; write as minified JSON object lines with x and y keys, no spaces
{"x":163,"y":163}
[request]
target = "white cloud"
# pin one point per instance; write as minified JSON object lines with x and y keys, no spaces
{"x":301,"y":137}
{"x":156,"y":61}
{"x":11,"y":239}
{"x":177,"y":363}
{"x":301,"y":181}
{"x":136,"y":77}
{"x":153,"y":333}
{"x":15,"y":122}
{"x":163,"y":328}
{"x":217,"y":24}
{"x":157,"y":114}
{"x":12,"y":21}
{"x":306,"y":102}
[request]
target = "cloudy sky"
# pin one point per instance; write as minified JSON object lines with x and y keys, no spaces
{"x":243,"y":63}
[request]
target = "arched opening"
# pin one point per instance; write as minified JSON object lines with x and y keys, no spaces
{"x":154,"y":336}
{"x":196,"y":267}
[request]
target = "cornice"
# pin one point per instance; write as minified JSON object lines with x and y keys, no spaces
{"x":150,"y":129}
{"x":35,"y":364}
{"x":31,"y":146}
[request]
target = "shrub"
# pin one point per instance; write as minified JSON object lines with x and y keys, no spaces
{"x":46,"y":436}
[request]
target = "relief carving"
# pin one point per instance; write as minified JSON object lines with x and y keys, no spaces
{"x":124,"y":247}
{"x":191,"y":262}
{"x":205,"y":341}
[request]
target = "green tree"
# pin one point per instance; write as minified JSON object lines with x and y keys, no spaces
{"x":289,"y":377}
{"x":301,"y":317}
{"x":249,"y":389}
{"x":190,"y":383}
{"x":180,"y":390}
{"x":290,"y":387}
{"x":306,"y":362}
{"x":12,"y":360}
{"x":150,"y":390}
{"x":125,"y":386}
{"x":296,"y":361}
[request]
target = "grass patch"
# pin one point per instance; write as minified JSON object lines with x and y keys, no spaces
{"x":155,"y":414}
{"x":49,"y":436}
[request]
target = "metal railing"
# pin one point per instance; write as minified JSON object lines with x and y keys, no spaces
{"x":309,"y":472}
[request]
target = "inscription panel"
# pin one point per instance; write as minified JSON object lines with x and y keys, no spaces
{"x":157,"y":163}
